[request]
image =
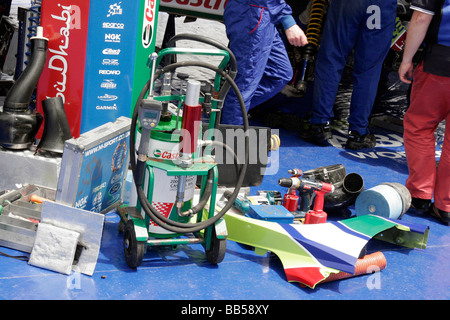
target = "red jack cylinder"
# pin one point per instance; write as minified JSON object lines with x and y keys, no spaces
{"x":190,"y":125}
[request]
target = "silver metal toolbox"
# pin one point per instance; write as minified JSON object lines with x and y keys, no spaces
{"x":94,"y":167}
{"x":19,"y":218}
{"x":25,"y":167}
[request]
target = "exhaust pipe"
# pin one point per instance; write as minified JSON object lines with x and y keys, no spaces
{"x":19,"y":124}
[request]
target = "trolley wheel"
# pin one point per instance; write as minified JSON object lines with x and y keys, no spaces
{"x":216,"y":253}
{"x":133,"y":249}
{"x":121,"y":226}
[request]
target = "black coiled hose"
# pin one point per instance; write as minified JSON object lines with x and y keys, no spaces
{"x":232,"y":64}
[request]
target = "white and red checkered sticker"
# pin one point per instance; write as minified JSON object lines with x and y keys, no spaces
{"x":163,"y":208}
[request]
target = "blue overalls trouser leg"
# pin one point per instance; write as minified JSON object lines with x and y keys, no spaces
{"x":262,"y":61}
{"x":366,"y":26}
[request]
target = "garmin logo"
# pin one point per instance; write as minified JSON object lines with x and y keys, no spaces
{"x":113,"y":107}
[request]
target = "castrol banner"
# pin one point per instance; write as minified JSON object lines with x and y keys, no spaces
{"x":208,"y":9}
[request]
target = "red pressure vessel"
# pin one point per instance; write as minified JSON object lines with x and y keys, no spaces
{"x":190,"y":125}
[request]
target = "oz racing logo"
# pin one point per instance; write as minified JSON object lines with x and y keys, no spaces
{"x":148,"y":23}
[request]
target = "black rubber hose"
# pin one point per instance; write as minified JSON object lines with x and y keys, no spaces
{"x":227,"y":148}
{"x":233,"y":62}
{"x":206,"y":194}
{"x":208,"y":187}
{"x":193,"y":37}
{"x":162,"y":221}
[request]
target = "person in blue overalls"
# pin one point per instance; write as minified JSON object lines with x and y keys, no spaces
{"x":367,"y":27}
{"x":263,"y":66}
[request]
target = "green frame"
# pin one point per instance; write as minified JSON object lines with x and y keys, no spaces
{"x":200,"y":167}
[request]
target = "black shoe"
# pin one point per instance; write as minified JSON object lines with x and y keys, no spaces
{"x":422,"y":205}
{"x":442,"y":215}
{"x":356,"y":141}
{"x":316,"y":133}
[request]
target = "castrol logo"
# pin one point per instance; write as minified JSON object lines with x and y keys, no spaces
{"x":148,"y":24}
{"x":167,"y":155}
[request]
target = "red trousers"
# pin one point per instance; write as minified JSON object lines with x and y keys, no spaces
{"x":430,"y":104}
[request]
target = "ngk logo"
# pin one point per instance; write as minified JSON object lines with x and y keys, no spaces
{"x":149,"y":23}
{"x":112,"y":37}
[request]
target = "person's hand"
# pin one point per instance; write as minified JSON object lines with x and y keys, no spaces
{"x":296,"y":36}
{"x":405,"y":71}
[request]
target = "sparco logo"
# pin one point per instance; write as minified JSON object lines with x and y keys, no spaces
{"x":113,"y":25}
{"x":149,"y":23}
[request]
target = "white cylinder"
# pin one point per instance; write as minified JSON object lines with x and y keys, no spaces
{"x":192,"y":93}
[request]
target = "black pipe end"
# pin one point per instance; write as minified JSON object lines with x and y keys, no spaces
{"x":17,"y":130}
